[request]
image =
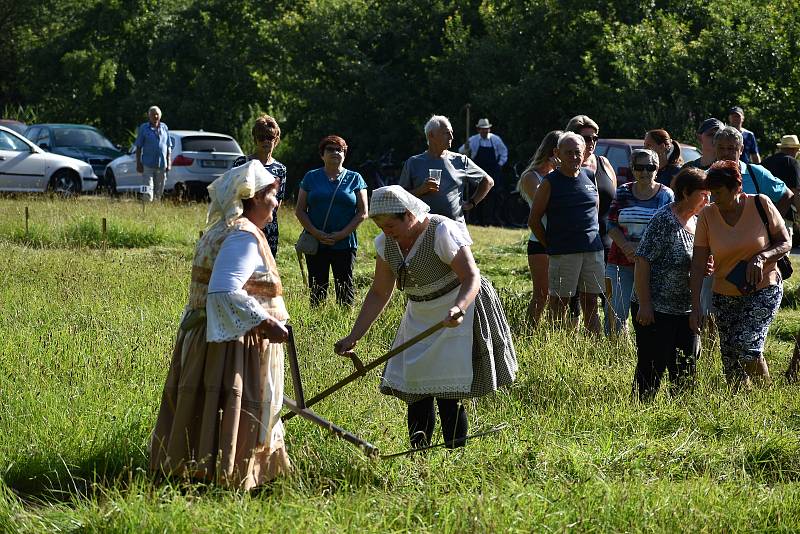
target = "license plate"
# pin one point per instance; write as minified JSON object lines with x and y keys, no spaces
{"x":214,"y":163}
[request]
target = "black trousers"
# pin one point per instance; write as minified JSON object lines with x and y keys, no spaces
{"x":667,"y":344}
{"x":422,"y":422}
{"x":341,"y":262}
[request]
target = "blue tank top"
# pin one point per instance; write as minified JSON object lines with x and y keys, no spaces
{"x":572,"y":225}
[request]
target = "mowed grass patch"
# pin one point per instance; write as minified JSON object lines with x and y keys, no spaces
{"x":86,"y":335}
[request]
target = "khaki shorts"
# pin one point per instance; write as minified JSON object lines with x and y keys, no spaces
{"x":582,"y":272}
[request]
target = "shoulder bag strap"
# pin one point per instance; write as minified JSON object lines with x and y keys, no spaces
{"x":755,"y":183}
{"x":333,"y":196}
{"x":763,"y":215}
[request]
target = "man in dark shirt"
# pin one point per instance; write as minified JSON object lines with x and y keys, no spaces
{"x":750,"y":149}
{"x":784,"y":165}
{"x":568,"y":197}
{"x":705,"y":136}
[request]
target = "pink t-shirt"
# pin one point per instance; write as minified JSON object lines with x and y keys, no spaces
{"x":731,"y":244}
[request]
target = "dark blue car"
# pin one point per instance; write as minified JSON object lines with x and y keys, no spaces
{"x":76,"y":141}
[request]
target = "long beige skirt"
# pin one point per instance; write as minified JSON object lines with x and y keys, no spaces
{"x":220,"y":412}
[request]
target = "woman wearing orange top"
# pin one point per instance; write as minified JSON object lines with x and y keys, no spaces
{"x":747,"y":283}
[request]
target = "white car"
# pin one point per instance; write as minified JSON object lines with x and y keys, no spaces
{"x":24,"y":167}
{"x":198,"y":158}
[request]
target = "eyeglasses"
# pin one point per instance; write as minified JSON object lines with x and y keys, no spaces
{"x":334,"y":150}
{"x":402,"y":274}
{"x":266,"y":138}
{"x":649,"y":167}
{"x":590,"y":138}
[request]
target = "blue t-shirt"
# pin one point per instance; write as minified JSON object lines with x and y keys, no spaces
{"x":572,"y":224}
{"x":319,"y":190}
{"x":768,"y":185}
{"x":154,"y":143}
{"x":750,"y":146}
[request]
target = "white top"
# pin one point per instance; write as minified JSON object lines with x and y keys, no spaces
{"x":443,"y":361}
{"x":529,"y":200}
{"x":476,"y":141}
{"x":450,"y":236}
{"x":230,"y":311}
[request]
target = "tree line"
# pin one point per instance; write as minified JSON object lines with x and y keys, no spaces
{"x":374,"y":71}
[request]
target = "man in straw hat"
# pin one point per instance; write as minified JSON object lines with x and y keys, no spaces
{"x":784,"y":165}
{"x":490,"y":154}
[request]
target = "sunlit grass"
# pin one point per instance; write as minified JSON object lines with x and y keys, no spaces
{"x":86,"y":330}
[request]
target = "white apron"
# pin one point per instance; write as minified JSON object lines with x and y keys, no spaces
{"x":439,"y":363}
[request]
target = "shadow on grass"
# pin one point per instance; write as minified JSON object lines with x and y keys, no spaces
{"x":55,"y":478}
{"x":89,"y":234}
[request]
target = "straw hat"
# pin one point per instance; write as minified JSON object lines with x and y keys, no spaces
{"x":483,"y":123}
{"x":789,"y":141}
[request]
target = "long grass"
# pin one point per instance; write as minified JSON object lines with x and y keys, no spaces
{"x":87,"y":326}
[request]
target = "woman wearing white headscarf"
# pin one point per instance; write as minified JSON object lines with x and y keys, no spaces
{"x":219,"y":418}
{"x":428,"y":257}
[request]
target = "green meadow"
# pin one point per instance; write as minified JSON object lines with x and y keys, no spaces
{"x":87,"y":322}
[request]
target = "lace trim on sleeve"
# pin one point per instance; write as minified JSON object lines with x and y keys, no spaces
{"x":230,"y":315}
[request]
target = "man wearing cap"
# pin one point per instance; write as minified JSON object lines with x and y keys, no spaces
{"x":490,"y":154}
{"x":784,"y":165}
{"x":705,"y":137}
{"x":750,"y":150}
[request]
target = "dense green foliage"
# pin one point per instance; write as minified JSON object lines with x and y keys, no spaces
{"x":373,"y":71}
{"x":86,"y":330}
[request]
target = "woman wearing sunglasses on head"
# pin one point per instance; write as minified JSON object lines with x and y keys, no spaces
{"x":635,"y":204}
{"x":266,"y":136}
{"x":669,"y":155}
{"x":428,"y":258}
{"x":605,"y":177}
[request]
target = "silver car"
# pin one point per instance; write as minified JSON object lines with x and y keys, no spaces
{"x":198,"y":159}
{"x":24,"y":167}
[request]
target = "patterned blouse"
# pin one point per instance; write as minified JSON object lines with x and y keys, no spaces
{"x":667,"y":245}
{"x":278,"y":169}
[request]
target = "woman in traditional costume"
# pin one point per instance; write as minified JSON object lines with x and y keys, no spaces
{"x":428,"y":257}
{"x":220,"y":411}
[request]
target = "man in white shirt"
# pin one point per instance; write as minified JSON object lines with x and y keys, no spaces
{"x":489,"y":152}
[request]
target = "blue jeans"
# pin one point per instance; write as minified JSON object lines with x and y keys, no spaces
{"x":619,"y":305}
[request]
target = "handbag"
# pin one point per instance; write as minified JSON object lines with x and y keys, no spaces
{"x":784,"y":264}
{"x":307,"y":243}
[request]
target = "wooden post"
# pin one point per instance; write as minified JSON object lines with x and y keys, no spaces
{"x":105,"y":228}
{"x":27,"y":216}
{"x":466,"y":133}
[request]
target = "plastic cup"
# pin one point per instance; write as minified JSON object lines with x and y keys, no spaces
{"x":435,"y":175}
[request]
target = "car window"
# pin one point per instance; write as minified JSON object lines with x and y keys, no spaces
{"x":12,"y":142}
{"x":600,"y":149}
{"x":207,"y":143}
{"x":618,"y":157}
{"x":32,"y":133}
{"x":80,"y":137}
{"x":43,"y":138}
{"x":689,"y":153}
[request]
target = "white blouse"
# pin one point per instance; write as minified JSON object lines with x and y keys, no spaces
{"x":450,"y":236}
{"x":230,"y":311}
